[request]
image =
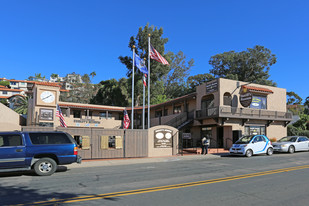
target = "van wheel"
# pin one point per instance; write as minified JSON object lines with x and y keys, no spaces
{"x":270,"y":151}
{"x":291,"y":149}
{"x":249,"y":153}
{"x":45,"y":167}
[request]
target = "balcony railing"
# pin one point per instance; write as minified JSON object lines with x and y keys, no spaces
{"x":234,"y":112}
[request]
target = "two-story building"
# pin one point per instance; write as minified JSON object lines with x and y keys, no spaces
{"x":221,"y":109}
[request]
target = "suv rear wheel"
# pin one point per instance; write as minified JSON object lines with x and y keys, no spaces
{"x":45,"y":166}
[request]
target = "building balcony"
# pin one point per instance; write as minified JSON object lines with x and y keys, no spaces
{"x":243,"y":113}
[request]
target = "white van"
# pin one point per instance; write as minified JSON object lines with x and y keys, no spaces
{"x":251,"y":145}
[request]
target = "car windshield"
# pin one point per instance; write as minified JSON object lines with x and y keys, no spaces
{"x":244,"y":139}
{"x":288,"y":139}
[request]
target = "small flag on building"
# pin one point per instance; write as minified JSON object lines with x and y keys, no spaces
{"x":61,"y":118}
{"x":140,"y":64}
{"x":126,"y":120}
{"x":144,"y":80}
{"x":157,"y":56}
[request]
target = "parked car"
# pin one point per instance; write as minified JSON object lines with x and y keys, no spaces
{"x":252,"y":144}
{"x":291,"y":144}
{"x":40,"y":151}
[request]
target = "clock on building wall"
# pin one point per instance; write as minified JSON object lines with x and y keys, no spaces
{"x":46,"y":97}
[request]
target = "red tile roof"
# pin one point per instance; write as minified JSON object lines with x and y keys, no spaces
{"x":3,"y":97}
{"x":10,"y":90}
{"x":89,"y":106}
{"x":258,"y":89}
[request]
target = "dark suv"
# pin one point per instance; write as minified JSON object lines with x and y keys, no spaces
{"x":41,"y":151}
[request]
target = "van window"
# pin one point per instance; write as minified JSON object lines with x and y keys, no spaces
{"x":49,"y":138}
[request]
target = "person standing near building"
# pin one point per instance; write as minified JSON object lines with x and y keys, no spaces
{"x":205,"y":146}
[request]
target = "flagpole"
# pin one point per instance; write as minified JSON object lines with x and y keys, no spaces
{"x":132,"y":112}
{"x":148,"y":81}
{"x":144,"y":99}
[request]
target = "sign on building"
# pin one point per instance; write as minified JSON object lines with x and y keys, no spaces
{"x":186,"y":135}
{"x":163,"y":138}
{"x":245,"y":97}
{"x":211,"y":87}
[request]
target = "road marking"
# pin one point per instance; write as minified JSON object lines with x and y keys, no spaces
{"x":162,"y":188}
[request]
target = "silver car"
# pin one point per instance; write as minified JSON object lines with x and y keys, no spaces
{"x":291,"y":144}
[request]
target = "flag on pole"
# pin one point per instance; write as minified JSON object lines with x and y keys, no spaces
{"x":61,"y":118}
{"x":157,"y":56}
{"x":144,"y":80}
{"x":126,"y":120}
{"x":140,"y":64}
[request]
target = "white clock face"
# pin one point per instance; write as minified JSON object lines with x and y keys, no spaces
{"x":47,"y":97}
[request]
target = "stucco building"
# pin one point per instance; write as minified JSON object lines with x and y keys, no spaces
{"x":221,"y":109}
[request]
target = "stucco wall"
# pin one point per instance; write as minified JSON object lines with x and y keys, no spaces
{"x":9,"y":119}
{"x":156,"y":152}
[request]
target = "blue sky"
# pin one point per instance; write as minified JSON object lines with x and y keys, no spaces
{"x":50,"y":36}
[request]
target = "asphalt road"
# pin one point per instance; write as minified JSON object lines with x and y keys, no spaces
{"x":281,"y":179}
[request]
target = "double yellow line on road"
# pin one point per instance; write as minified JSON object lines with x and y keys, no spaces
{"x":162,"y":188}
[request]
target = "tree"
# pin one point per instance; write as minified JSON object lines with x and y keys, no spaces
{"x":5,"y":83}
{"x":86,"y":78}
{"x":194,"y":81}
{"x":293,"y":98}
{"x":21,"y":104}
{"x":93,"y":74}
{"x":112,"y":93}
{"x":158,"y":70}
{"x":302,"y":122}
{"x":252,"y":65}
{"x":306,"y":104}
{"x":175,"y":84}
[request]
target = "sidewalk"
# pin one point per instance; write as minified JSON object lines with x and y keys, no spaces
{"x":127,"y":161}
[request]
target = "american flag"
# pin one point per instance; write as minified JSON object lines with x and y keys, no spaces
{"x":126,"y":120}
{"x":144,"y":80}
{"x":61,"y":119}
{"x":157,"y":56}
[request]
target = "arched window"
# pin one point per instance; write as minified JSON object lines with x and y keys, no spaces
{"x":227,"y":99}
{"x":208,"y":102}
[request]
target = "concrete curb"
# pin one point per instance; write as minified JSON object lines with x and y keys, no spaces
{"x":128,"y":161}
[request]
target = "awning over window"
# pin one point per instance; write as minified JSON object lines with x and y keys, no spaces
{"x":258,"y":89}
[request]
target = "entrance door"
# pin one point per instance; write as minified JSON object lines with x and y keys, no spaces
{"x":220,"y":137}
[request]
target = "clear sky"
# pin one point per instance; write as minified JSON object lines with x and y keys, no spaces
{"x":82,"y":36}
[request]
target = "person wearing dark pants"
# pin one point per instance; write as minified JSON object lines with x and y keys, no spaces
{"x":205,"y":146}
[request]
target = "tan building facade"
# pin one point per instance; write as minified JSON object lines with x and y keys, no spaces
{"x":221,"y":109}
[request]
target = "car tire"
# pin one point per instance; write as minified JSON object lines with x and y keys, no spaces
{"x":291,"y":149}
{"x":45,"y":167}
{"x":270,"y":151}
{"x":249,"y":153}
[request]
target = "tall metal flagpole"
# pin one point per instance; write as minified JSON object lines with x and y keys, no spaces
{"x":132,"y":112}
{"x":148,"y":81}
{"x":144,"y":99}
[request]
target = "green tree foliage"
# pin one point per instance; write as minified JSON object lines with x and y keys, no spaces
{"x":112,"y":92}
{"x":86,"y":78}
{"x":93,"y":74}
{"x":306,"y":104}
{"x":252,"y":65}
{"x":5,"y":83}
{"x":293,"y":98}
{"x":302,"y":122}
{"x":157,"y":70}
{"x":196,"y":80}
{"x":175,"y":83}
{"x":5,"y":102}
{"x":21,"y":104}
